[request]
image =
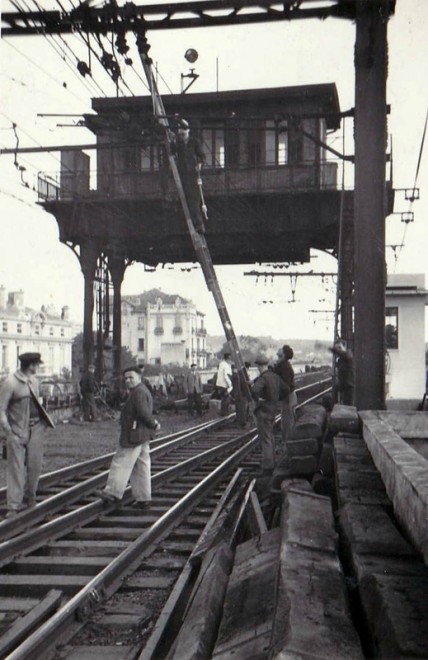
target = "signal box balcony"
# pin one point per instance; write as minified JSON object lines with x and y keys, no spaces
{"x":271,"y":193}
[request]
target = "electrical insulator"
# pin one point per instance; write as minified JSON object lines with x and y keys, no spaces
{"x":83,"y":68}
{"x":121,"y":44}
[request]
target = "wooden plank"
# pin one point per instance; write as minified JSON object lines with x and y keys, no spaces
{"x":17,"y":604}
{"x":255,"y":516}
{"x":31,"y":585}
{"x":25,"y":624}
{"x":311,"y":588}
{"x":59,"y":565}
{"x":198,"y":632}
{"x":151,"y":647}
{"x":246,"y":626}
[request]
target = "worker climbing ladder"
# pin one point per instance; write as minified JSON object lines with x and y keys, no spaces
{"x":199,"y":242}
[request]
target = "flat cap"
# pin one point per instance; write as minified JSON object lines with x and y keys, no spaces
{"x":30,"y":358}
{"x":261,"y":359}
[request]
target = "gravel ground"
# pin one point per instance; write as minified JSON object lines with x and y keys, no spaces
{"x":77,"y":441}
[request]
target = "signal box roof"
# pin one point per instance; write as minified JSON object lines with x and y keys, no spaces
{"x":304,"y":100}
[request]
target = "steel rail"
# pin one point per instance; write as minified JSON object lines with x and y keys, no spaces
{"x":52,"y":530}
{"x":13,"y":527}
{"x":111,"y":577}
{"x":76,"y":469}
{"x":50,"y":505}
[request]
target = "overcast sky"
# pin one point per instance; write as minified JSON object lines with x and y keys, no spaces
{"x":39,"y":76}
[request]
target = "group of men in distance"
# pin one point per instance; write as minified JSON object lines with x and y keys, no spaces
{"x":23,"y":421}
{"x":272,"y":390}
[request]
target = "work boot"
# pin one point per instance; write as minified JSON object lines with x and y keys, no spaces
{"x":142,"y":505}
{"x":106,"y":497}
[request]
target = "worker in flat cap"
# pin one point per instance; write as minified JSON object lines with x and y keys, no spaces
{"x":344,"y":373}
{"x":267,"y":390}
{"x":190,"y":158}
{"x":23,"y":421}
{"x":289,"y":402}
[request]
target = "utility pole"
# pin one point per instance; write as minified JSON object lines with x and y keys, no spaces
{"x":370,"y":163}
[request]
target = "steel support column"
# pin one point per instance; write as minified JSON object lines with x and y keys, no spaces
{"x":88,"y":261}
{"x":370,"y":145}
{"x":117,"y":267}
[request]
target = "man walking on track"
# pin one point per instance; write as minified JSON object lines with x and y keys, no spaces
{"x":131,"y":462}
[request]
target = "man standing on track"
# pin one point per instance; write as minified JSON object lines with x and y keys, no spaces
{"x":131,"y":462}
{"x":23,"y":421}
{"x":266,"y":390}
{"x":224,"y":383}
{"x":193,"y":386}
{"x":88,"y":388}
{"x":289,"y":401}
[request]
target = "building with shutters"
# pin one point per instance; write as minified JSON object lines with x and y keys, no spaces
{"x":45,"y":331}
{"x":163,"y":329}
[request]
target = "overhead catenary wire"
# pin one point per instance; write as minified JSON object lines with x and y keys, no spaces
{"x":400,"y":247}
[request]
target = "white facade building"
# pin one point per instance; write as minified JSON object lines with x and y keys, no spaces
{"x":406,"y":298}
{"x":163,"y":329}
{"x":23,"y":329}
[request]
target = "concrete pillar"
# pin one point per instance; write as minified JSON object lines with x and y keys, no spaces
{"x":88,"y":262}
{"x":117,"y":267}
{"x":370,"y":146}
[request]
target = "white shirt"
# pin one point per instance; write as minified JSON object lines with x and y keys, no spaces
{"x":224,"y":375}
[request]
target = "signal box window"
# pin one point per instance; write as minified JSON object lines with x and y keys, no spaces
{"x":391,"y":327}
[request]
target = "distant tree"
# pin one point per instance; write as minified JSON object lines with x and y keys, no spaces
{"x":250,"y":348}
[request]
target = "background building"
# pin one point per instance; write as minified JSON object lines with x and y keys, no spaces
{"x":406,"y":297}
{"x":163,"y":329}
{"x":24,"y":329}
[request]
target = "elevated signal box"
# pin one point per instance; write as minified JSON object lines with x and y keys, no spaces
{"x":270,"y":190}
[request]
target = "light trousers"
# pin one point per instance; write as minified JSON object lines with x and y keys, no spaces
{"x":24,"y":465}
{"x":130,"y":464}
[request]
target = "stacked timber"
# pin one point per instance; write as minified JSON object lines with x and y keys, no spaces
{"x":390,"y":578}
{"x":304,"y":446}
{"x":286,"y":596}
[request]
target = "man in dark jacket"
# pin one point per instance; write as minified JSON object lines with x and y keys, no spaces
{"x":131,"y":462}
{"x":88,"y":388}
{"x":190,"y":158}
{"x":288,"y":403}
{"x":267,"y":389}
{"x":193,"y":386}
{"x":344,"y":373}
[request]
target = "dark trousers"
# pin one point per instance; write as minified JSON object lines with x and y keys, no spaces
{"x":194,"y":402}
{"x":224,"y":401}
{"x":242,"y":410}
{"x":90,"y":410}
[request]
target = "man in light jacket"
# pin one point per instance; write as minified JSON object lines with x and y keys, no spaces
{"x":131,"y":461}
{"x":23,"y":428}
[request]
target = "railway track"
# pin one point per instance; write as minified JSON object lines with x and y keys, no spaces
{"x":76,"y":569}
